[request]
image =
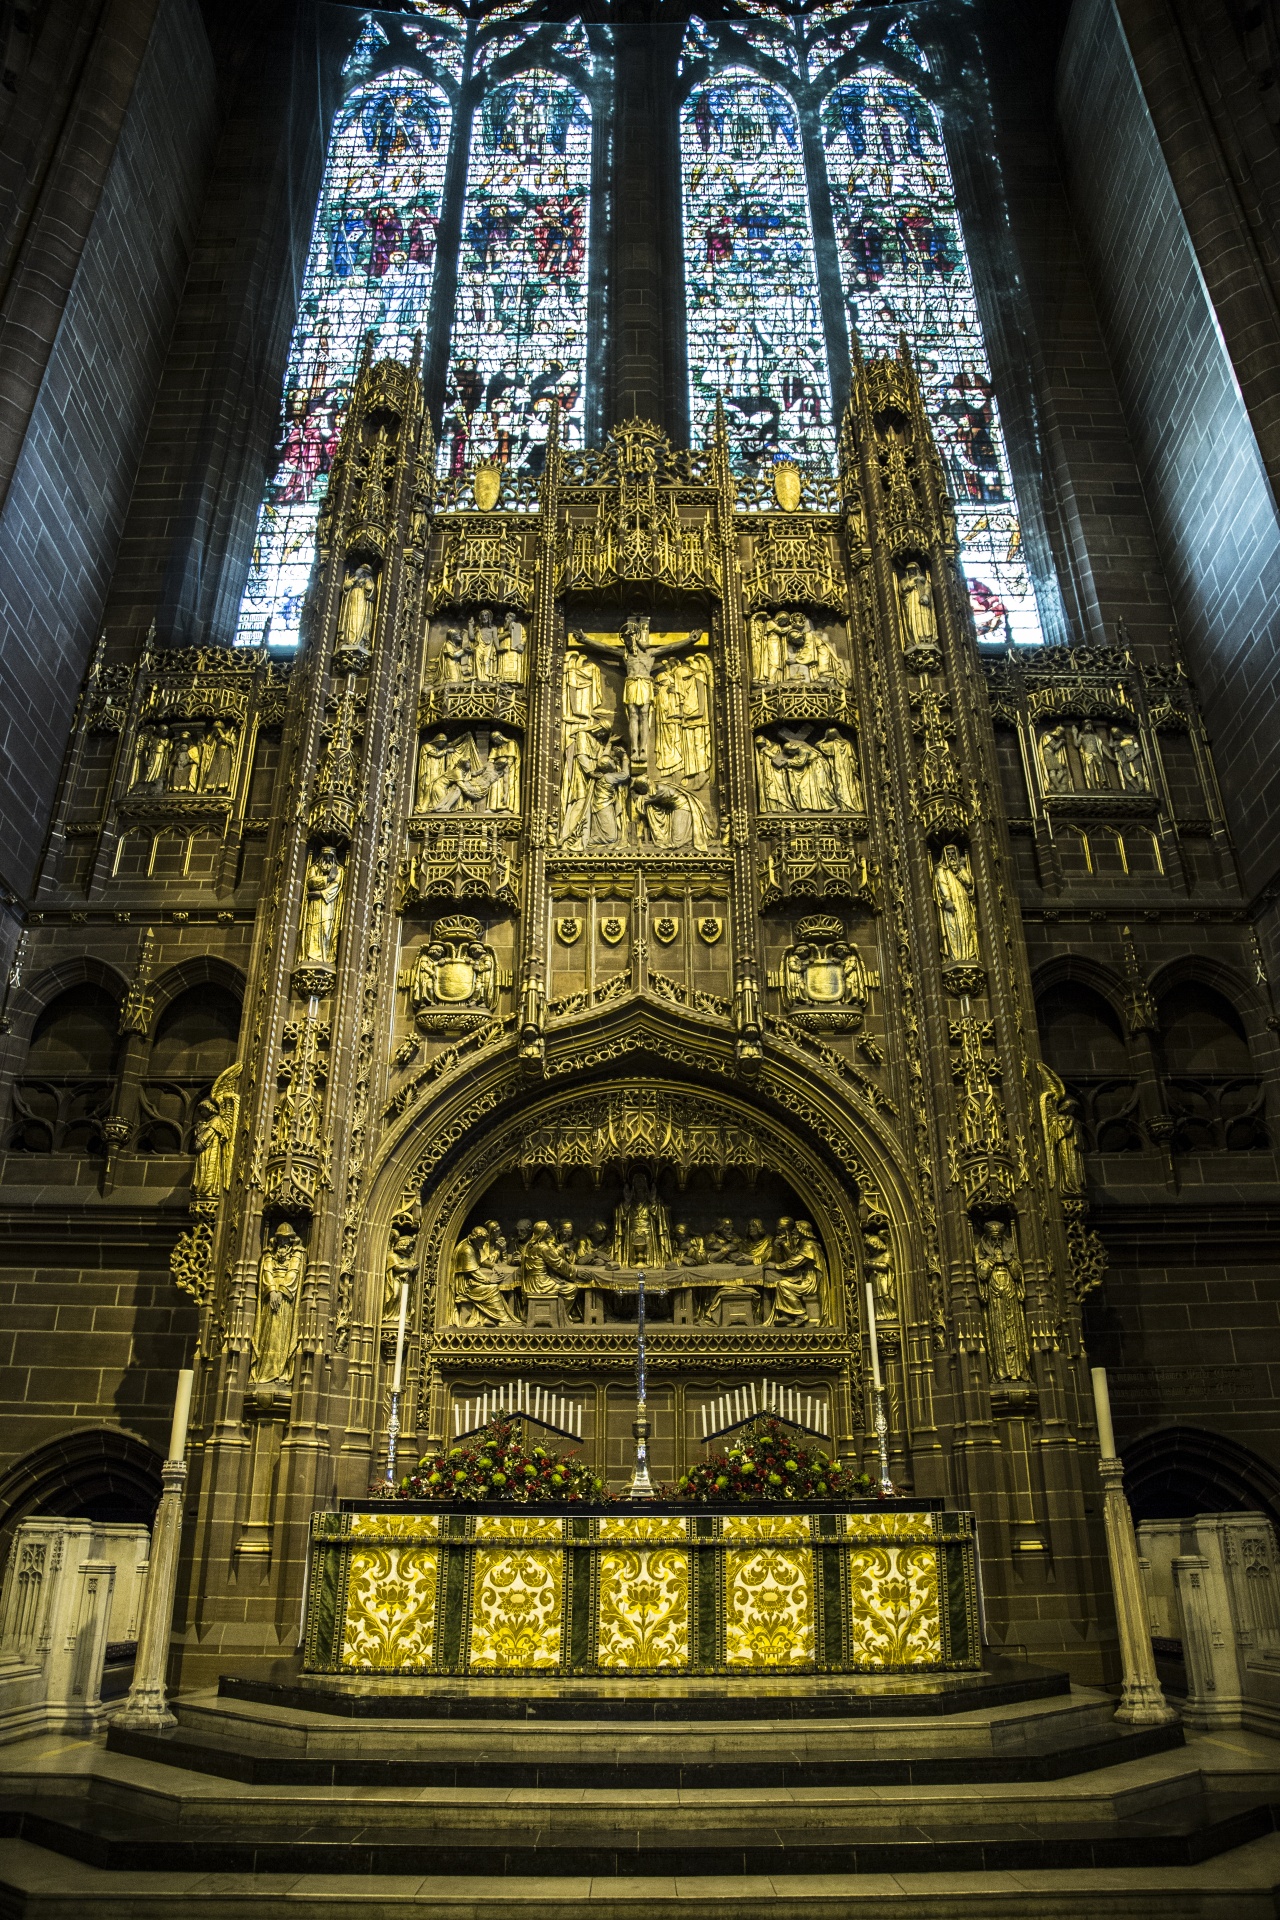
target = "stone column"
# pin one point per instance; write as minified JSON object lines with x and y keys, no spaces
{"x":1142,"y":1703}
{"x":147,"y":1706}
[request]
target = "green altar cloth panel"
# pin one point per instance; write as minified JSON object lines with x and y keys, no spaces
{"x":695,"y":1593}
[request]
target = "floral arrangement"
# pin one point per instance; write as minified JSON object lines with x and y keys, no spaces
{"x":499,"y":1463}
{"x":768,"y":1463}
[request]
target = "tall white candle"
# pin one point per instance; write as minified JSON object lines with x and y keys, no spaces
{"x":181,"y":1414}
{"x":876,"y":1381}
{"x":404,"y":1311}
{"x":1102,"y":1412}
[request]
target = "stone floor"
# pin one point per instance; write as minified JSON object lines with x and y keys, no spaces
{"x":258,"y":1807}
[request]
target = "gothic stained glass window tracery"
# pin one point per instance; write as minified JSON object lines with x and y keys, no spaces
{"x":520,"y":319}
{"x":368,"y":270}
{"x":754,"y":320}
{"x":905,"y":271}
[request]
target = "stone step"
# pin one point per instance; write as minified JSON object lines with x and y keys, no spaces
{"x":654,"y":1697}
{"x":252,"y":1744}
{"x":1182,"y":1834}
{"x":139,"y":1792}
{"x":1240,"y":1885}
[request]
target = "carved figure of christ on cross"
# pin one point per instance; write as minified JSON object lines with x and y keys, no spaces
{"x":640,"y":656}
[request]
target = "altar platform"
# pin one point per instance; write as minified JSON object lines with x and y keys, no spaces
{"x":878,"y":1588}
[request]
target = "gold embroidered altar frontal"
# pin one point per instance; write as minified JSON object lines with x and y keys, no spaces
{"x":877,"y":1591}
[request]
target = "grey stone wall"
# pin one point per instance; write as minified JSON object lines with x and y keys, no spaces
{"x":72,"y":481}
{"x":1206,"y":481}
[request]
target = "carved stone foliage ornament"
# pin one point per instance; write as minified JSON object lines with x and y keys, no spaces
{"x":453,"y":984}
{"x":823,"y":979}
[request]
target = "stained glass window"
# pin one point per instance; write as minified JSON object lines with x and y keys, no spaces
{"x":368,"y":270}
{"x":520,"y":323}
{"x":904,"y":269}
{"x":751,"y":285}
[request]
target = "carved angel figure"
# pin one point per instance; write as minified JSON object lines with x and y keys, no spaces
{"x":1002,"y":1290}
{"x":215,"y":1132}
{"x":1061,"y":1133}
{"x":280,"y":1274}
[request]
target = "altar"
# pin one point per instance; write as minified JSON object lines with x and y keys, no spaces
{"x":879,"y":1587}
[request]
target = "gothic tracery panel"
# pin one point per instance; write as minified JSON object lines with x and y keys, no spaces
{"x":520,"y":334}
{"x":368,"y":270}
{"x":751,"y":284}
{"x":905,"y":271}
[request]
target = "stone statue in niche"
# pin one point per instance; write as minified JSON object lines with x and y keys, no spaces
{"x":321,"y":909}
{"x":280,"y":1272}
{"x":796,"y":774}
{"x":214,"y":1136}
{"x":481,"y":1282}
{"x":640,"y":656}
{"x":151,"y":759}
{"x":217,"y":757}
{"x":915,"y":605}
{"x":454,"y":982}
{"x":1054,"y":760}
{"x":475,"y":772}
{"x":953,"y":892}
{"x":582,"y":707}
{"x":355,"y":615}
{"x":877,"y":1251}
{"x":788,"y":650}
{"x":184,"y":761}
{"x":641,"y":1226}
{"x":1002,"y":1291}
{"x":669,"y":817}
{"x":1126,"y":752}
{"x":402,"y":1262}
{"x":823,"y":980}
{"x":1094,"y":749}
{"x":600,"y":775}
{"x":800,"y":1269}
{"x":1061,"y":1133}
